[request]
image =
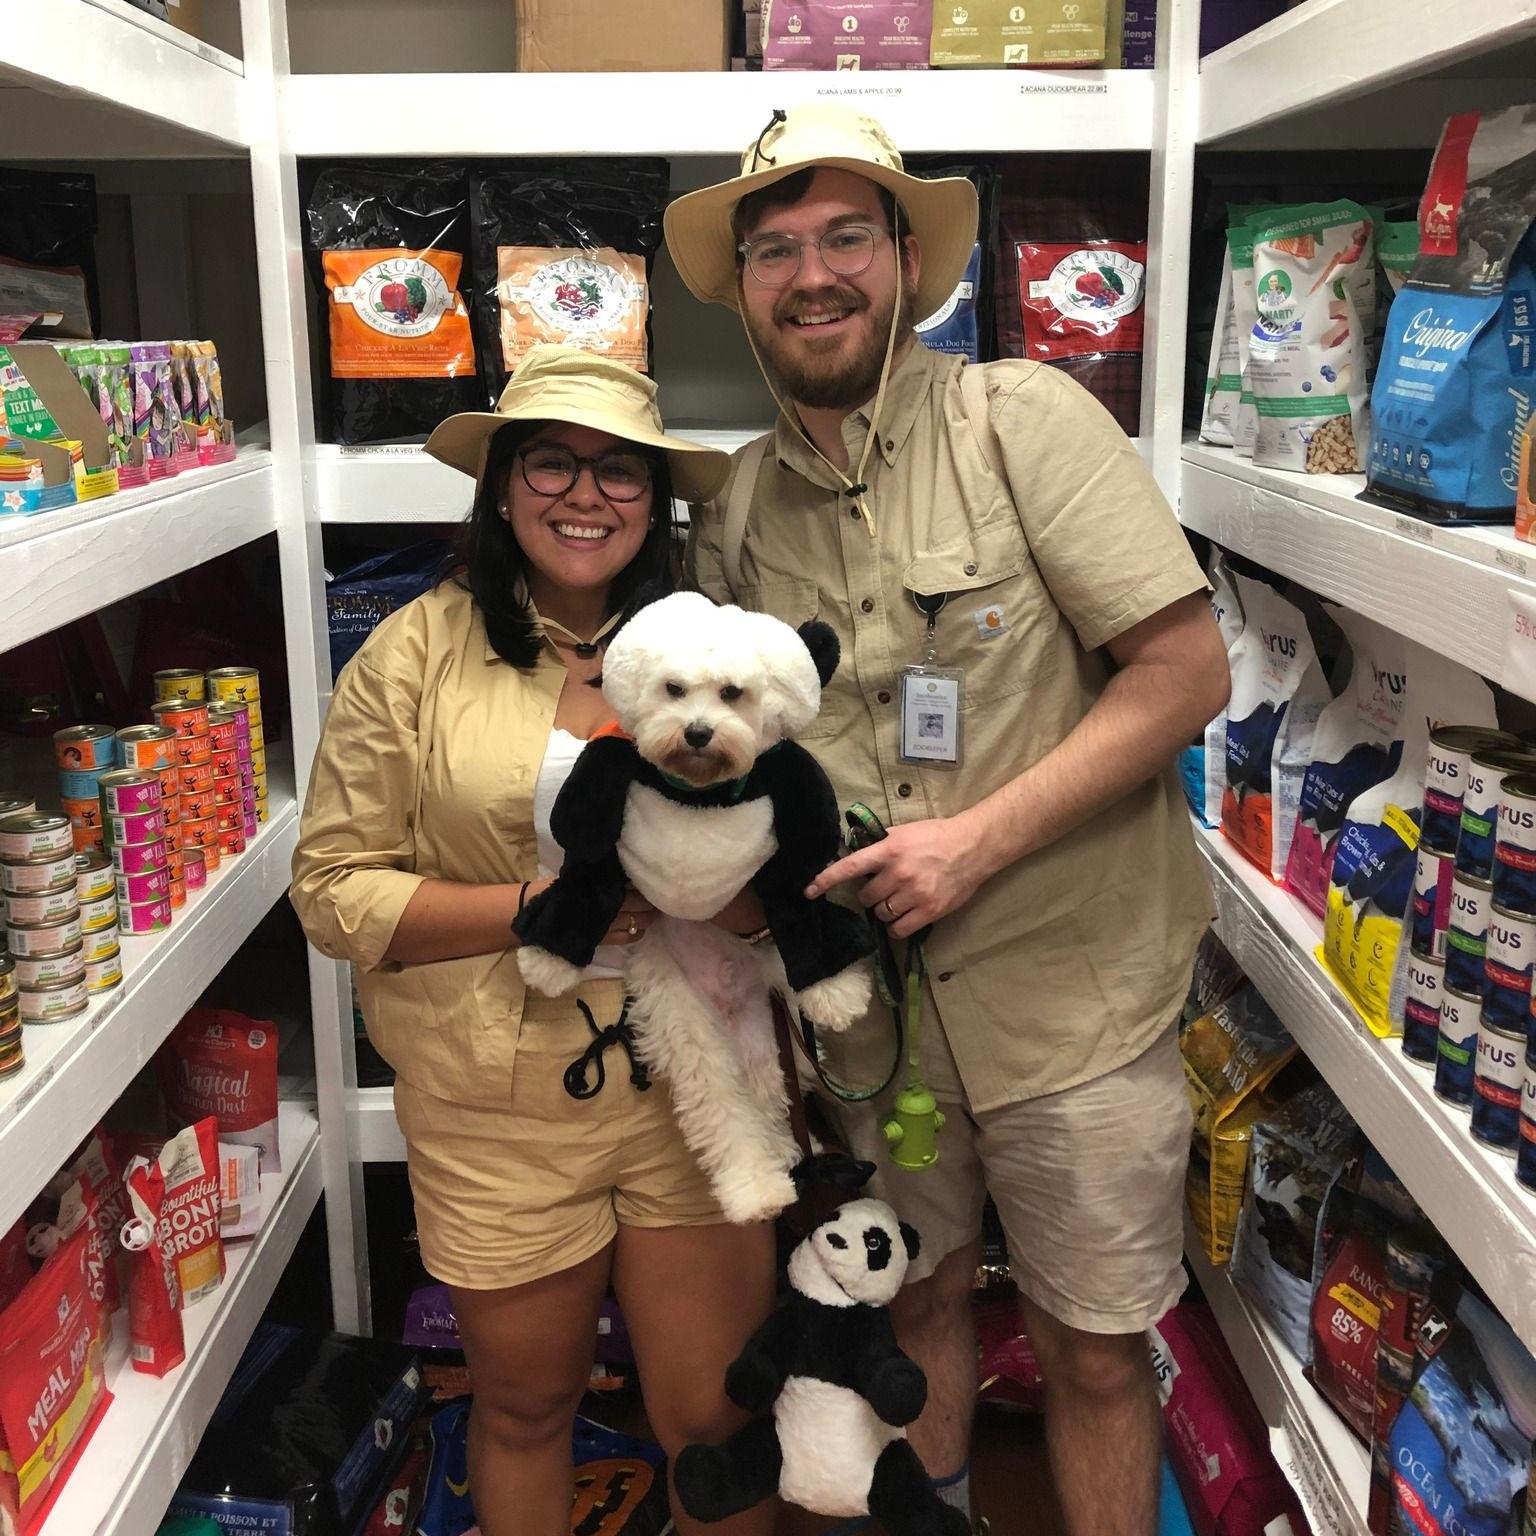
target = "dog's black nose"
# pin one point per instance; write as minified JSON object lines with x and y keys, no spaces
{"x":697,"y":735}
{"x":877,"y":1241}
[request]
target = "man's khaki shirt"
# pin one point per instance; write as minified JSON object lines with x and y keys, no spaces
{"x":1073,"y":960}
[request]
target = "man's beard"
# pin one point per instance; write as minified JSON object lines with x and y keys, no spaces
{"x":832,"y":383}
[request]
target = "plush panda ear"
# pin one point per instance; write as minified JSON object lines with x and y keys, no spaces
{"x":821,"y":641}
{"x":913,"y":1242}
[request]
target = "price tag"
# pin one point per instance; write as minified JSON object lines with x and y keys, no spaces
{"x":1520,"y":644}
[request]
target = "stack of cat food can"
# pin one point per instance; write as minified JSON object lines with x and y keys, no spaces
{"x":181,"y":707}
{"x":152,"y":749}
{"x":12,"y":1055}
{"x":236,"y":696}
{"x":42,"y":918}
{"x":84,"y":753}
{"x":96,"y":884}
{"x":133,"y":816}
{"x":1512,"y":1060}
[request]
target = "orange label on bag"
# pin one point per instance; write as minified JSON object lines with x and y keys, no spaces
{"x":397,"y":314}
{"x":595,"y":299}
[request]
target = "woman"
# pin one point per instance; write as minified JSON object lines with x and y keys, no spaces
{"x":542,"y":1166}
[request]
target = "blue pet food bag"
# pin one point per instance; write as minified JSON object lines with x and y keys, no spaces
{"x":952,"y":328}
{"x":1458,"y":364}
{"x":360,"y":599}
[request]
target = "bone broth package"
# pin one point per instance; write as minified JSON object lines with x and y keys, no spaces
{"x":388,"y":250}
{"x":1459,"y":359}
{"x":846,"y":34}
{"x":218,"y":1062}
{"x":563,"y":251}
{"x":1278,"y":692}
{"x":1358,"y":743}
{"x":190,"y":1215}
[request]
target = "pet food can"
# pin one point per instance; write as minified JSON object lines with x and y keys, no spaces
{"x":259,"y":762}
{"x":226,"y":791}
{"x":212,"y":858}
{"x":34,"y":971}
{"x":196,"y":806}
{"x":226,"y":763}
{"x":221,"y":728}
{"x":99,"y":913}
{"x":171,"y":806}
{"x":1466,"y":937}
{"x":136,"y":890}
{"x":147,"y":916}
{"x":194,"y":869}
{"x":84,"y":747}
{"x":1507,"y":969}
{"x":44,"y":874}
{"x":1514,"y":867}
{"x":16,"y":805}
{"x":55,"y":1001}
{"x":187,"y":717}
{"x":35,"y":939}
{"x":1421,"y":1008}
{"x":7,"y":982}
{"x":1445,"y":778}
{"x":173,"y":838}
{"x":261,"y":810}
{"x":170,"y":784}
{"x":126,"y":790}
{"x":1456,"y":1057}
{"x":140,"y":858}
{"x":1486,"y":770}
{"x":232,"y":839}
{"x":104,"y":974}
{"x":195,"y":778}
{"x":34,"y":907}
{"x":24,"y":838}
{"x":195,"y":751}
{"x":184,"y":683}
{"x":256,"y":737}
{"x":1497,"y":1082}
{"x":101,"y":943}
{"x":76,"y":786}
{"x":12,"y":1056}
{"x":241,"y":684}
{"x":93,"y":875}
{"x":135,"y":827}
{"x":88,"y":839}
{"x":177,"y":894}
{"x":1525,"y":1156}
{"x":200,"y":832}
{"x":146,"y":747}
{"x":227,"y":817}
{"x":82,"y":810}
{"x":1431,"y":902}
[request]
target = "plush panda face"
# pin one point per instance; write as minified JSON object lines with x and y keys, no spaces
{"x":859,"y":1255}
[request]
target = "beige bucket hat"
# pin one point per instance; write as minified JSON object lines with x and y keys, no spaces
{"x":942,"y":213}
{"x":560,"y":383}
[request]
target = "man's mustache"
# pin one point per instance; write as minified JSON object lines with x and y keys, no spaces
{"x":798,"y":304}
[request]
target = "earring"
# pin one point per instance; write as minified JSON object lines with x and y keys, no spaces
{"x":502,"y":508}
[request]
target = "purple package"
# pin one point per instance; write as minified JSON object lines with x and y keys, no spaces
{"x":152,"y":411}
{"x":1138,"y":42}
{"x":846,"y":34}
{"x":1217,"y":1442}
{"x":429,"y":1320}
{"x":1224,"y":21}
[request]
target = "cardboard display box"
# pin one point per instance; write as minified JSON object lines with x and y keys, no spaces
{"x":581,"y":35}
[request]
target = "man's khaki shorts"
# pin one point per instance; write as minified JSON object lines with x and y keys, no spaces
{"x":1089,"y":1183}
{"x":505,"y":1196}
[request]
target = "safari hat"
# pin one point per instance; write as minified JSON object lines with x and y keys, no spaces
{"x":942,"y":214}
{"x":560,"y":383}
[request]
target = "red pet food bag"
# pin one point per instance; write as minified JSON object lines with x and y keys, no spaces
{"x":15,"y":1267}
{"x":157,"y":1343}
{"x":220,"y":1063}
{"x":97,"y":1166}
{"x":53,"y":1389}
{"x":189,"y":1218}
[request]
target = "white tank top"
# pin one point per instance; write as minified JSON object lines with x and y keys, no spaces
{"x":560,"y":754}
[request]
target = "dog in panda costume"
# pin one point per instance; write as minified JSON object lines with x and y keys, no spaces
{"x":696,"y":794}
{"x":830,"y":1390}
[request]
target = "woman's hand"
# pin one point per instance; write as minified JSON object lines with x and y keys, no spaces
{"x":635,"y":916}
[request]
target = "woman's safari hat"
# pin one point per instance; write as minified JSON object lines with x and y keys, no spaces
{"x":559,"y":383}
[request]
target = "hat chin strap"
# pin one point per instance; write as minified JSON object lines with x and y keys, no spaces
{"x":856,"y":488}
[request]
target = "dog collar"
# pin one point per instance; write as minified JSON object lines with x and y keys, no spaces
{"x":732,"y":792}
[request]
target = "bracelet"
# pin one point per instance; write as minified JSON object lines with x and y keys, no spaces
{"x":757,"y":936}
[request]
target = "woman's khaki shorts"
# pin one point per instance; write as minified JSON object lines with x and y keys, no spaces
{"x":508,"y":1196}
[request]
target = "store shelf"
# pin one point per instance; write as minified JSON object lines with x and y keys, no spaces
{"x":374,"y":1132}
{"x":1466,"y":1189}
{"x":127,"y":1475}
{"x":1329,"y":1467}
{"x":110,"y":53}
{"x":1444,"y":587}
{"x":1330,"y":50}
{"x":61,"y":565}
{"x":711,"y":114}
{"x":76,"y":1070}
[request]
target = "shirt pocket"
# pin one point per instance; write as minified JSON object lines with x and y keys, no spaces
{"x":995,"y":623}
{"x":797,"y":602}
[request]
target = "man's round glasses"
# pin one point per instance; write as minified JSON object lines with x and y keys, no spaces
{"x":847,"y":250}
{"x":550,"y":470}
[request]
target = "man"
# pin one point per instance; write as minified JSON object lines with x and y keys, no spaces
{"x":1005,"y":560}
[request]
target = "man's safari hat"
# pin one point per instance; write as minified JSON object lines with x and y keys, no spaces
{"x":569,"y":384}
{"x":942,"y":213}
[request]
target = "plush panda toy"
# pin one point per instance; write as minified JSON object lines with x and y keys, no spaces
{"x":697,"y":794}
{"x":831,"y":1392}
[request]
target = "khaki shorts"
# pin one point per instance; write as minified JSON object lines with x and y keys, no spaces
{"x":505,"y":1196}
{"x":1089,"y":1183}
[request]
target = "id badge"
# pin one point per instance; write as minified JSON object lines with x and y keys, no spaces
{"x":931,"y":699}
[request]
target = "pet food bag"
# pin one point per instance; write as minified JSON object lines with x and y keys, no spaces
{"x":846,"y":34}
{"x":190,"y":1215}
{"x":1278,"y":692}
{"x":1216,"y":977}
{"x":48,"y":227}
{"x":1314,"y":293}
{"x":156,"y":1341}
{"x":53,"y":1387}
{"x":563,"y":253}
{"x":360,"y":598}
{"x":952,"y":327}
{"x":240,"y":1206}
{"x":1231,"y":1056}
{"x":1227,"y":606}
{"x":1217,"y":1440}
{"x":221,"y":1063}
{"x":1296,"y":1154}
{"x":1397,"y":249}
{"x":1459,"y":360}
{"x":1224,"y":372}
{"x":1358,"y":743}
{"x":15,"y":1266}
{"x":987,"y":33}
{"x":388,"y":249}
{"x":1245,"y":315}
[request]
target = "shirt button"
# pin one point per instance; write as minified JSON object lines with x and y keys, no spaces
{"x":883,"y":697}
{"x":904,"y":790}
{"x":868,"y":605}
{"x":946,"y":975}
{"x":970,"y":567}
{"x":890,"y":445}
{"x":854,"y":513}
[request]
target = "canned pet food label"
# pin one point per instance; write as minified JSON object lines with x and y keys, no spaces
{"x":140,"y":858}
{"x":1515,"y":847}
{"x":199,"y":832}
{"x":1499,"y":1078}
{"x":1466,"y":937}
{"x":85,"y":746}
{"x":1507,"y":967}
{"x":228,"y":817}
{"x":1525,"y":1157}
{"x":15,"y":805}
{"x":259,"y":762}
{"x":93,"y":875}
{"x":195,"y":778}
{"x":212,"y":858}
{"x":194,"y":870}
{"x":98,"y":914}
{"x":177,"y":895}
{"x":232,"y":840}
{"x":76,"y":786}
{"x":1457,"y":1053}
{"x":1421,"y":1008}
{"x":7,"y":981}
{"x":100,"y":944}
{"x":195,"y":752}
{"x":37,"y":971}
{"x":261,"y":810}
{"x":49,"y":1004}
{"x":44,"y":906}
{"x":255,"y":736}
{"x":226,"y":763}
{"x":35,"y":837}
{"x":221,"y":730}
{"x":83,"y":810}
{"x":173,"y":838}
{"x":43,"y":938}
{"x":136,"y":827}
{"x":187,"y":717}
{"x":135,"y":890}
{"x":89,"y":839}
{"x":1479,"y":812}
{"x":170,"y":784}
{"x":251,"y":828}
{"x":126,"y":790}
{"x":184,"y":683}
{"x":147,"y":916}
{"x":1431,"y":902}
{"x":226,"y":791}
{"x":104,"y":974}
{"x":1445,"y":778}
{"x":239,"y":684}
{"x":44,"y":874}
{"x":146,"y":747}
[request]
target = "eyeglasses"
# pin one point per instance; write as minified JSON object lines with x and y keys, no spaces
{"x":774,"y":260}
{"x":550,"y":470}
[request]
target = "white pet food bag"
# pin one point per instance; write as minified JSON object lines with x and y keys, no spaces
{"x":1224,"y":372}
{"x":1278,"y":692}
{"x":1245,"y":422}
{"x":1307,"y":349}
{"x":1228,"y":610}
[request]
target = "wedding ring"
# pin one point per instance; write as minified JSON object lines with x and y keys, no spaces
{"x":890,"y":911}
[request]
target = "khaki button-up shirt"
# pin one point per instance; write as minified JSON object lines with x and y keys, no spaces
{"x":1069,"y":963}
{"x":426,"y":768}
